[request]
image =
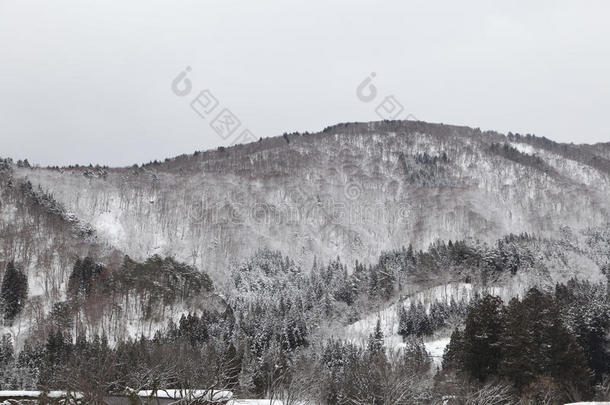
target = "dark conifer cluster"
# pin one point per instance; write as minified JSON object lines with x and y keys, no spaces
{"x":544,"y":341}
{"x":13,"y":292}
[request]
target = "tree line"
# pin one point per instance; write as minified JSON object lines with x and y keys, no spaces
{"x":551,"y":344}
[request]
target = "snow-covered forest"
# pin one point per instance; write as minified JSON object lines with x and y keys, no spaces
{"x":380,"y":263}
{"x":352,"y":190}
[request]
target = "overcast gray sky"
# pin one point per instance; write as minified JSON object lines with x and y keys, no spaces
{"x":90,"y":81}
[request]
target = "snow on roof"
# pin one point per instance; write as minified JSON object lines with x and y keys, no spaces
{"x":36,"y":394}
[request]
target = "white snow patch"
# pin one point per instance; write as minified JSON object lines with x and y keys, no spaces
{"x":35,"y":285}
{"x":436,"y":349}
{"x":359,"y":331}
{"x":36,"y":394}
{"x":567,"y":167}
{"x":589,"y":403}
{"x":523,"y":148}
{"x":108,"y":224}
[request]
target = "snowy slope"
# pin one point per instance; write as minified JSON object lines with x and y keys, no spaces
{"x":350,"y":191}
{"x":353,"y":191}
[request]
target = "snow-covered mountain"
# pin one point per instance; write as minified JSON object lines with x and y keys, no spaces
{"x":351,"y":190}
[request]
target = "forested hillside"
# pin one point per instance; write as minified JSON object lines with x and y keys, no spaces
{"x":333,"y":266}
{"x":352,"y":190}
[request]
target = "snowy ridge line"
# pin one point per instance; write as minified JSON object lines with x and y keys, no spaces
{"x":162,"y":207}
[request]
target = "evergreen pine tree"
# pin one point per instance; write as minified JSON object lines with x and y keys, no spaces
{"x":454,"y":352}
{"x":405,"y":323}
{"x":7,"y":352}
{"x":373,"y":282}
{"x":422,"y":322}
{"x":585,"y":311}
{"x":483,"y":330}
{"x":13,"y":291}
{"x":81,"y":278}
{"x":375,"y":345}
{"x":386,"y":281}
{"x":520,"y":360}
{"x":536,"y":343}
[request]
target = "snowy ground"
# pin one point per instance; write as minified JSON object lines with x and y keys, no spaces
{"x":435,"y":350}
{"x":589,"y":403}
{"x":59,"y":394}
{"x":359,"y":331}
